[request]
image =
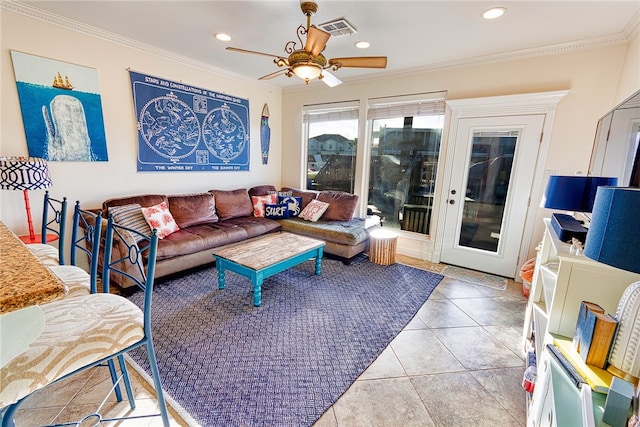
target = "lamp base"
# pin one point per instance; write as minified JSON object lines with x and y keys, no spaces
{"x":567,"y":227}
{"x":37,"y":238}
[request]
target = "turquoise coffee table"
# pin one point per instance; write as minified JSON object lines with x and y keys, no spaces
{"x":264,"y":256}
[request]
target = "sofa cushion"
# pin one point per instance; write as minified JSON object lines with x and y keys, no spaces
{"x":193,"y":209}
{"x":160,"y":219}
{"x":314,"y":210}
{"x":305,"y":195}
{"x":131,"y":216}
{"x":293,"y":204}
{"x":254,"y":226}
{"x":262,"y":190}
{"x":341,"y":232}
{"x":144,"y":200}
{"x":341,"y":205}
{"x":259,"y":203}
{"x":277,"y":211}
{"x":198,"y":238}
{"x":232,"y":203}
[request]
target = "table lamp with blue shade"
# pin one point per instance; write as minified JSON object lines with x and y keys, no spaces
{"x":572,"y":194}
{"x":614,"y":239}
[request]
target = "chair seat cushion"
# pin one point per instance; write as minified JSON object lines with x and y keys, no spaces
{"x":47,"y":254}
{"x":78,"y":331}
{"x":77,"y":280}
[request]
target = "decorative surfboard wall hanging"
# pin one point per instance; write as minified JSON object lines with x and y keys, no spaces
{"x":265,"y":134}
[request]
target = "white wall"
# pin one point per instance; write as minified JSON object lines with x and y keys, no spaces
{"x":93,"y":182}
{"x":591,"y":76}
{"x":597,"y":79}
{"x":630,"y":73}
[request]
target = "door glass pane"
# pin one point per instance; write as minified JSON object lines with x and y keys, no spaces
{"x":487,"y":187}
{"x":331,"y":155}
{"x":404,"y":160}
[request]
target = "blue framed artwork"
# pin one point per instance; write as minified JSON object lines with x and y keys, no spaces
{"x":61,"y":109}
{"x":185,"y":128}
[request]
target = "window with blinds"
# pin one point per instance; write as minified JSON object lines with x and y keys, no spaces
{"x":404,"y":153}
{"x":332,"y":131}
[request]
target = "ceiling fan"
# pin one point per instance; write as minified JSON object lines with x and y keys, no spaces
{"x":308,"y":62}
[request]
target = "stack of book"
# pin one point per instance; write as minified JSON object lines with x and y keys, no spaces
{"x":580,"y":373}
{"x":594,"y":334}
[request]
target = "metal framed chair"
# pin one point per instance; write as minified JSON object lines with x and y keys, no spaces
{"x":85,"y":238}
{"x":85,"y":331}
{"x":54,"y":222}
{"x":85,"y":231}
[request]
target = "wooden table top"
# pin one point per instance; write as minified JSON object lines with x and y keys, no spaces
{"x":267,"y":250}
{"x":24,"y":280}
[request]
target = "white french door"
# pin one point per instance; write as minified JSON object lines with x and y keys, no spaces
{"x":489,"y":192}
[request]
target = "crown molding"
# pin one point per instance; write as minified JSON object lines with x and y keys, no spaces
{"x":632,"y":27}
{"x":557,"y":49}
{"x":33,"y":12}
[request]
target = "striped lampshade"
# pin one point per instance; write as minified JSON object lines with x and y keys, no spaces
{"x":24,"y":173}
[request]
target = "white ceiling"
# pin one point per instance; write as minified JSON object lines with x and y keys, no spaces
{"x":413,"y":35}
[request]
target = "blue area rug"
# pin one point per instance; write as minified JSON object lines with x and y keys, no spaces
{"x":285,"y":363}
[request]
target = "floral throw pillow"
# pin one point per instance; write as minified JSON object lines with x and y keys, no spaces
{"x":260,"y":201}
{"x":159,"y":218}
{"x":293,"y":204}
{"x":314,"y":210}
{"x":278,"y":211}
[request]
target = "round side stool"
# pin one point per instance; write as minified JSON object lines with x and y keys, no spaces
{"x":382,"y":246}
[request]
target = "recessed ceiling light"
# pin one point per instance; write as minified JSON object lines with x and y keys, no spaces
{"x":362,"y":45}
{"x":494,"y":12}
{"x":222,"y":37}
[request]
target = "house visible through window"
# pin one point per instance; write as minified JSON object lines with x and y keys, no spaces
{"x":331,"y":146}
{"x":403,"y":154}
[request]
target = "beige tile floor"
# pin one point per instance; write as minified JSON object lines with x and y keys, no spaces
{"x":457,"y":363}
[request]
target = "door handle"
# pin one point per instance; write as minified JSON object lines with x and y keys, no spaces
{"x":452,"y":202}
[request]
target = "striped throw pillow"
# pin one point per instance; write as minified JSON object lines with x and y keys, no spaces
{"x":130,"y":216}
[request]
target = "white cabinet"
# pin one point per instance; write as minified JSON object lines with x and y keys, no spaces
{"x":562,"y":280}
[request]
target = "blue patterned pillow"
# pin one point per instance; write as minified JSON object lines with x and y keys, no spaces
{"x":278,"y":211}
{"x":293,"y":204}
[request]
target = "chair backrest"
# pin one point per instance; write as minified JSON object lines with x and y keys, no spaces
{"x":129,"y":263}
{"x":85,"y":237}
{"x":54,"y":220}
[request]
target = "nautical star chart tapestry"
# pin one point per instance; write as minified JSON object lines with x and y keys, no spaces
{"x":185,"y":128}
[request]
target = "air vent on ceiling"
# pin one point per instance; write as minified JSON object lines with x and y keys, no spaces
{"x":338,"y":27}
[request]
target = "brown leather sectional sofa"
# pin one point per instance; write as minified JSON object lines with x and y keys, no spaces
{"x":219,"y":217}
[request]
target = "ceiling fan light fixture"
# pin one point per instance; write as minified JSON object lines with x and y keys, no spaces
{"x":362,"y":45}
{"x":307,"y":71}
{"x":309,"y":7}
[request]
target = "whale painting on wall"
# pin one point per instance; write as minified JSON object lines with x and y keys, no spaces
{"x":61,"y":109}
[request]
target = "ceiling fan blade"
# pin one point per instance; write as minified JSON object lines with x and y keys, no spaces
{"x":329,"y":79}
{"x":316,"y":41}
{"x":275,"y":74}
{"x":360,"y":62}
{"x":236,"y":49}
